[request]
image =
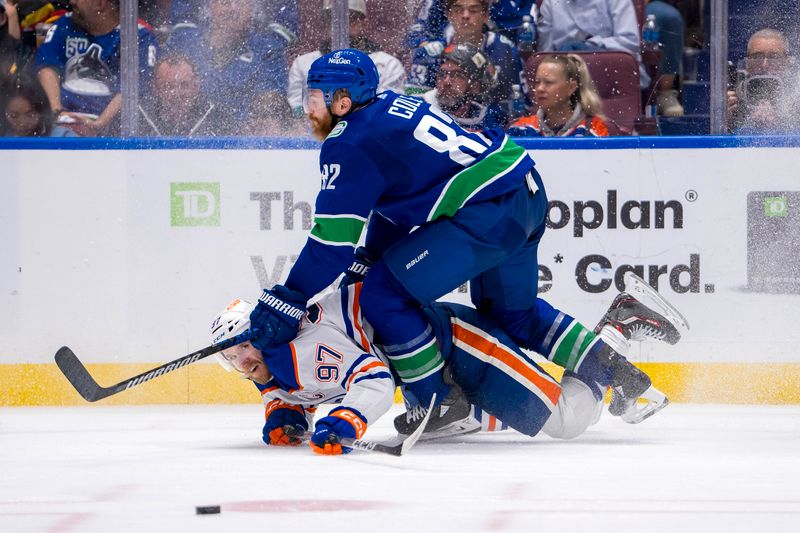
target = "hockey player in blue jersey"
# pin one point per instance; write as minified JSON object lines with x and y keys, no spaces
{"x":445,"y":206}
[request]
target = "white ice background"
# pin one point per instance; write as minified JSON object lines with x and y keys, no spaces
{"x":690,"y":468}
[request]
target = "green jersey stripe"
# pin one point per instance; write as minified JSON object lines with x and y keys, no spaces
{"x":418,"y":360}
{"x":563,"y":350}
{"x":573,"y":345}
{"x":412,"y":375}
{"x":337,"y":230}
{"x":438,"y":367}
{"x":467,"y":183}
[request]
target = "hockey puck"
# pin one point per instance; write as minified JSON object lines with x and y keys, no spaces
{"x":207,"y":509}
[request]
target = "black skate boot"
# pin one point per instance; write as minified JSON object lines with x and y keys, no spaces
{"x":640,"y":313}
{"x":628,"y":386}
{"x":451,"y":417}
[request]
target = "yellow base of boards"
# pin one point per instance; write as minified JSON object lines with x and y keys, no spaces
{"x":43,"y":384}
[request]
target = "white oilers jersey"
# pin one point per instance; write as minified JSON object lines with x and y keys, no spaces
{"x":330,"y":361}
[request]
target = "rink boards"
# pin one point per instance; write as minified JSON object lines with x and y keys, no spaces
{"x":125,"y":251}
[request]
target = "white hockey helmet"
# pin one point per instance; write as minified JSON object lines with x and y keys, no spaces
{"x":233,"y":320}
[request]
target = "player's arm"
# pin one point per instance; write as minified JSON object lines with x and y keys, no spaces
{"x":351,"y":185}
{"x":370,"y":393}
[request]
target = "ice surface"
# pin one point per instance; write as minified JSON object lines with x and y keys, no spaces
{"x":689,"y":468}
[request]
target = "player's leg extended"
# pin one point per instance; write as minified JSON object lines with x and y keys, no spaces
{"x":507,"y":292}
{"x":429,"y":263}
{"x":503,"y":381}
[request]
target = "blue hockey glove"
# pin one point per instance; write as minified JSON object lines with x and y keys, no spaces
{"x":276,"y":318}
{"x":362,"y":262}
{"x":285,"y":427}
{"x":340,"y":423}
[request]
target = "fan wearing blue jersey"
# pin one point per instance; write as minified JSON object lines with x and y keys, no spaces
{"x":78,"y":65}
{"x":243,"y":68}
{"x":445,"y":206}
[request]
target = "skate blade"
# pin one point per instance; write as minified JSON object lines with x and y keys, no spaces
{"x":647,"y":295}
{"x":637,"y":412}
{"x":460,"y":427}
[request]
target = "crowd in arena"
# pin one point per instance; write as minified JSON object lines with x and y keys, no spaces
{"x":546,"y":68}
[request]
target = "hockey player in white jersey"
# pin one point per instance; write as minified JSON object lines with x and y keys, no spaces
{"x":333,"y":360}
{"x":323,"y":364}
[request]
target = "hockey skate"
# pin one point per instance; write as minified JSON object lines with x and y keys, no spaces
{"x":639,"y":314}
{"x":629,"y":386}
{"x":450,"y":418}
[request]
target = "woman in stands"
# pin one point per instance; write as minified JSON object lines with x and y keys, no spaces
{"x":25,"y":110}
{"x":568,"y":103}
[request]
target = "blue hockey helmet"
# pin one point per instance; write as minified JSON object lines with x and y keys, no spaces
{"x":344,"y":69}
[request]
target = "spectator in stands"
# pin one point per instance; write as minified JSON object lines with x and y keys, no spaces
{"x":588,"y":25}
{"x":279,"y":121}
{"x":391,"y":71}
{"x":569,"y":105}
{"x":463,"y":79}
{"x":505,"y":18}
{"x":241,"y":68}
{"x":78,"y":65}
{"x":26,"y":111}
{"x":671,"y":30}
{"x":468,"y":19}
{"x":271,"y":16}
{"x":10,"y":39}
{"x":766,"y":98}
{"x":175,"y":107}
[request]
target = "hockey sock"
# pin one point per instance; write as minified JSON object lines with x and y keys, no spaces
{"x":570,"y":343}
{"x":589,"y":368}
{"x":404,"y":333}
{"x":419,"y":364}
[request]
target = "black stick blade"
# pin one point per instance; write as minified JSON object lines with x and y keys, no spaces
{"x":78,"y":376}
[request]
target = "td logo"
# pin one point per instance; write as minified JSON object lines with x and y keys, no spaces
{"x":776,"y":206}
{"x":194,"y":204}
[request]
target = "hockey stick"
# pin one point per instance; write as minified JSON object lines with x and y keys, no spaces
{"x":87,"y":387}
{"x":392,"y":449}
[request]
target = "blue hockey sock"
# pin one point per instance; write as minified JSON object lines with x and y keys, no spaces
{"x":589,"y":368}
{"x":404,"y":333}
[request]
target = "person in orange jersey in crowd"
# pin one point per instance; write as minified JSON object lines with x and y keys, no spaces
{"x":568,"y":103}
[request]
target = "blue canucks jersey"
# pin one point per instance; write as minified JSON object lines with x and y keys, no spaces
{"x":404,"y":164}
{"x":259,"y":66}
{"x":88,"y":65}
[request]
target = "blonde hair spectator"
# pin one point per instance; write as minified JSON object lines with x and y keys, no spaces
{"x":569,"y":105}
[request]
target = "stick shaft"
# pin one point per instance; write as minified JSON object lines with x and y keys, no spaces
{"x":91,"y":391}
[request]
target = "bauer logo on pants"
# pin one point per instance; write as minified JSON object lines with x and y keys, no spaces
{"x":194,"y":204}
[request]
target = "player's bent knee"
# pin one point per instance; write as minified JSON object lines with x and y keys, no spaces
{"x":576,"y":410}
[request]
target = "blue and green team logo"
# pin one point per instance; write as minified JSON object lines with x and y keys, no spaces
{"x":776,"y":206}
{"x":194,"y":204}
